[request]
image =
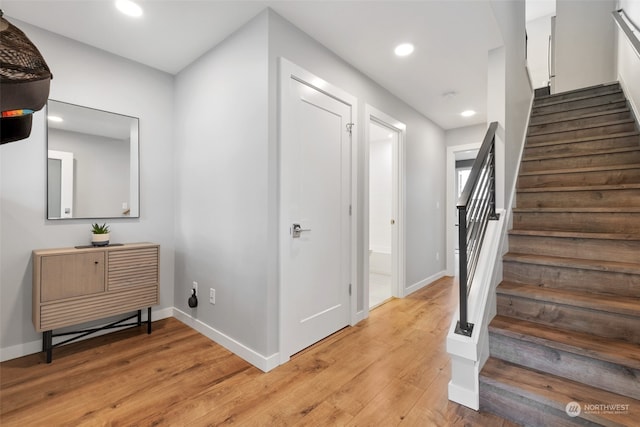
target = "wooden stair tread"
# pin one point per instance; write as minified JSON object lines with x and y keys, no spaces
{"x":622,"y":209}
{"x":576,"y":235}
{"x":581,"y":116}
{"x":588,"y":169}
{"x":608,"y":303}
{"x":583,"y":139}
{"x":582,"y":154}
{"x":577,"y":263}
{"x":557,"y":392}
{"x":590,"y":126}
{"x":611,"y":350}
{"x":605,"y":187}
{"x":576,"y":109}
{"x":538,"y":102}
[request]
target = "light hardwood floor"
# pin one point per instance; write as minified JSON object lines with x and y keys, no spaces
{"x":391,"y":369}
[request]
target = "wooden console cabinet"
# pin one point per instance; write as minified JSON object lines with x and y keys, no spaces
{"x":77,"y":285}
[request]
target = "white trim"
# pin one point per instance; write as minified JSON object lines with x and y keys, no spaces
{"x":627,"y":93}
{"x":424,"y":282}
{"x":66,"y":181}
{"x":20,"y":350}
{"x":398,"y":263}
{"x":467,"y":396}
{"x":264,"y":363}
{"x":287,"y":71}
{"x":450,"y":211}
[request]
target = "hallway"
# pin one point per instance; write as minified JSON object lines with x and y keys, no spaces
{"x":392,"y":369}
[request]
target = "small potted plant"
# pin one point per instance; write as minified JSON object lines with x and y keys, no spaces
{"x":99,"y":234}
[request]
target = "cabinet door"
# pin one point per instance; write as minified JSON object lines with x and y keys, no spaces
{"x":66,"y":276}
{"x":133,"y":268}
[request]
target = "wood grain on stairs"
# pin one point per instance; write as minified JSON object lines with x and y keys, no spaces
{"x":599,"y":175}
{"x":568,"y":307}
{"x":616,"y":247}
{"x":611,"y":365}
{"x":570,"y":112}
{"x":543,"y":398}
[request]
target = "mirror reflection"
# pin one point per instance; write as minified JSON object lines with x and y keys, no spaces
{"x":92,"y":164}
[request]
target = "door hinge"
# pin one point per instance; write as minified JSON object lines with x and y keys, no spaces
{"x":349,"y":210}
{"x":349,"y":289}
{"x":350,"y":128}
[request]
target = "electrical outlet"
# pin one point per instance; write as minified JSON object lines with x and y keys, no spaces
{"x":212,"y":296}
{"x":195,"y":286}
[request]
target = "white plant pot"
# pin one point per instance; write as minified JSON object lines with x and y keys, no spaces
{"x":100,"y":239}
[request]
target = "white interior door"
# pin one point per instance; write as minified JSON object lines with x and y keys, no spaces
{"x":315,"y":220}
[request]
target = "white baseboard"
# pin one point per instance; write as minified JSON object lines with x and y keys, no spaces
{"x":19,"y":350}
{"x":627,"y":94}
{"x":463,"y":396}
{"x":424,"y":282}
{"x":264,"y":363}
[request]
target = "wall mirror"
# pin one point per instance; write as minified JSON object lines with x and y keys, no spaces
{"x":92,"y":163}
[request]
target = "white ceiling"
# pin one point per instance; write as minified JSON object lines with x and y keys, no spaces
{"x":538,"y":8}
{"x":452,"y":38}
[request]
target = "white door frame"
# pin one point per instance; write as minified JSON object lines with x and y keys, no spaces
{"x":450,"y":211}
{"x":66,"y":181}
{"x":398,"y":204}
{"x":289,"y":70}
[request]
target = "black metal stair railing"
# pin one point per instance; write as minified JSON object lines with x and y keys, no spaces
{"x":476,"y":207}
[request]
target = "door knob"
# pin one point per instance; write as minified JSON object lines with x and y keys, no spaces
{"x":296,"y":230}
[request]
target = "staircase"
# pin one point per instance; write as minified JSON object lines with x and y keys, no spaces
{"x":568,"y":310}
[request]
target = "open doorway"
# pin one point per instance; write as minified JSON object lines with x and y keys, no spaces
{"x":464,"y":164}
{"x":384,"y":272}
{"x":382,"y":141}
{"x":459,"y":162}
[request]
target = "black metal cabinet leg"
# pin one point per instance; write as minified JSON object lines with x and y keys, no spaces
{"x":148,"y":320}
{"x":139,"y":317}
{"x":47,"y":344}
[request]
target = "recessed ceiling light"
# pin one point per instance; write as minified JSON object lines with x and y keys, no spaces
{"x":468,"y":113}
{"x":129,"y":8}
{"x":55,"y":118}
{"x":404,"y":49}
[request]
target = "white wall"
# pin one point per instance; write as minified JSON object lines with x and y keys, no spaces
{"x":222,"y":199}
{"x":473,"y":134}
{"x":93,"y":78}
{"x":628,"y":60}
{"x":227,"y":186}
{"x":509,"y":95}
{"x":585,"y":44}
{"x":425,"y":150}
{"x":538,"y":31}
